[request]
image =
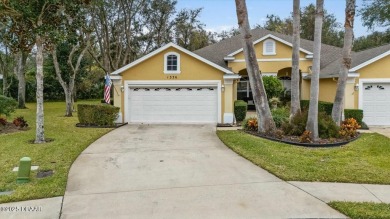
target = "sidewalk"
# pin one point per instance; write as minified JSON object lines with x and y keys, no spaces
{"x":326,"y":192}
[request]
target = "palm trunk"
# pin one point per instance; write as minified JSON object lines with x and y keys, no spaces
{"x":295,"y":75}
{"x":40,"y":132}
{"x":312,"y":120}
{"x":338,"y":104}
{"x":265,"y":121}
{"x":22,"y":80}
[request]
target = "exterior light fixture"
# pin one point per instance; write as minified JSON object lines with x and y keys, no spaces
{"x":356,"y":87}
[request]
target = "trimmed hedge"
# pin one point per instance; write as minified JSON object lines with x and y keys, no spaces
{"x":97,"y":114}
{"x":357,"y":114}
{"x":7,"y":105}
{"x":240,"y":109}
{"x":322,"y":106}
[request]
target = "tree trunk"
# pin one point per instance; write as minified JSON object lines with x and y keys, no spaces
{"x":265,"y":121}
{"x":312,"y":120}
{"x":22,"y":80}
{"x":69,"y":103}
{"x":40,"y":131}
{"x":295,"y":76}
{"x":338,"y":104}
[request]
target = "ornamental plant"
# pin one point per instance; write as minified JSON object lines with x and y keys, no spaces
{"x":20,"y":122}
{"x":3,"y":121}
{"x":348,"y":128}
{"x":250,"y":124}
{"x":305,"y":137}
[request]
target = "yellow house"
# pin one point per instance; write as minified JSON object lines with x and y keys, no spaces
{"x":174,"y":85}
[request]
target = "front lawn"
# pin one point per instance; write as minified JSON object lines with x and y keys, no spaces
{"x":365,"y":160}
{"x":367,"y":210}
{"x":58,"y":155}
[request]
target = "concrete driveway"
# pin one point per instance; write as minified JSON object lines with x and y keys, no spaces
{"x":174,"y":171}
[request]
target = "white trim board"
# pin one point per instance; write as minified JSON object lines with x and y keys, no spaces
{"x":157,"y":51}
{"x":273,"y":37}
{"x":176,"y":83}
{"x":271,"y":60}
{"x":364,"y":64}
{"x":368,"y":80}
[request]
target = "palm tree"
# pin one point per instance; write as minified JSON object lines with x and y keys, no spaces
{"x":312,"y":120}
{"x":295,"y":76}
{"x":265,"y":121}
{"x":338,"y":104}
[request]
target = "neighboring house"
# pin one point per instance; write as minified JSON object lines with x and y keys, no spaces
{"x":174,"y":85}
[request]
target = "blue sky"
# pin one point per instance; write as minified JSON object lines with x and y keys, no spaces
{"x":221,"y":15}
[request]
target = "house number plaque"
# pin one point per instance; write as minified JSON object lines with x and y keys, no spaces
{"x":171,"y":77}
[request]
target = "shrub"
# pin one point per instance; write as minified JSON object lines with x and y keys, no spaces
{"x":20,"y":122}
{"x":348,"y":128}
{"x":250,"y":124}
{"x":7,"y":105}
{"x":280,"y":116}
{"x":297,"y":125}
{"x":240,"y":109}
{"x":273,"y":86}
{"x":322,"y":106}
{"x":357,"y":114}
{"x":274,"y":101}
{"x":98,"y":114}
{"x":3,"y":121}
{"x":327,"y":128}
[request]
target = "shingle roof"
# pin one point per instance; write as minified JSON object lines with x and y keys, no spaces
{"x":332,"y":69}
{"x":330,"y":55}
{"x":216,"y":52}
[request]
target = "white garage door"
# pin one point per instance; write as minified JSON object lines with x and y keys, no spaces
{"x":376,"y":103}
{"x":173,"y":105}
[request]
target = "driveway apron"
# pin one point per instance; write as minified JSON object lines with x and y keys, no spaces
{"x":178,"y":171}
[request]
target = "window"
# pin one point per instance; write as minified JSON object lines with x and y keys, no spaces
{"x":172,"y":63}
{"x":269,"y":47}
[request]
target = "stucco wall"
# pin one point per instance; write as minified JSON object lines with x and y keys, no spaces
{"x":283,"y":51}
{"x":191,"y":69}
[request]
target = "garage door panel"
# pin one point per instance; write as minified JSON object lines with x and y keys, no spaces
{"x":173,"y":105}
{"x":376,"y":103}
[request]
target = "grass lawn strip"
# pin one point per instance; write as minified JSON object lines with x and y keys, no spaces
{"x":58,"y":155}
{"x":365,"y":160}
{"x":367,"y":210}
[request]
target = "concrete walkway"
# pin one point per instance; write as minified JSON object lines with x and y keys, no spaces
{"x":184,"y":172}
{"x":161,"y":171}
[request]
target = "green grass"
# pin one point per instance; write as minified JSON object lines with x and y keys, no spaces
{"x":365,"y":160}
{"x":58,"y":155}
{"x":366,"y":210}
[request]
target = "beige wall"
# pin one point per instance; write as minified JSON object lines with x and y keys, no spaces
{"x":191,"y":69}
{"x":282,"y":52}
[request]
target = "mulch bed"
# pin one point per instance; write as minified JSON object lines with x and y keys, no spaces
{"x":117,"y":125}
{"x":11,"y":128}
{"x":294,"y":140}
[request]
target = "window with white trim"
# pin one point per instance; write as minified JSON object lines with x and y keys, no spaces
{"x":269,"y":47}
{"x":172,"y":63}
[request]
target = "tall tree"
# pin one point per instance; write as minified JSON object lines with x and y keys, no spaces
{"x":189,"y":32}
{"x":117,"y":26}
{"x":372,"y":40}
{"x":77,"y":37}
{"x":6,"y":65}
{"x":338,"y":104}
{"x":17,"y":36}
{"x":331,"y":29}
{"x":44,"y":17}
{"x":375,"y":13}
{"x":312,"y":120}
{"x":265,"y":121}
{"x":295,"y":75}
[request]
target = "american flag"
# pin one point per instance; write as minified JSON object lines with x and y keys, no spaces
{"x":107,"y":89}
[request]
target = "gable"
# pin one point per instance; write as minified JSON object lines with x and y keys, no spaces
{"x":191,"y":68}
{"x":178,"y":48}
{"x":282,"y":51}
{"x":270,"y":37}
{"x":377,"y":69}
